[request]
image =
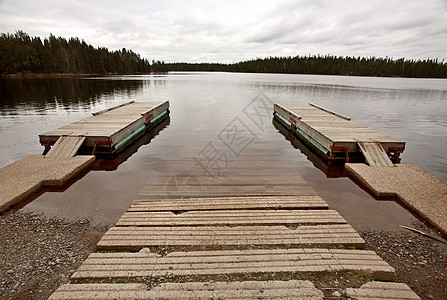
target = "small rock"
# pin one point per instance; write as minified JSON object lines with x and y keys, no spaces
{"x":10,"y":271}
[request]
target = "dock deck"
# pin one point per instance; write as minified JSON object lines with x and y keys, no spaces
{"x":252,"y":234}
{"x":336,"y":136}
{"x":110,"y":130}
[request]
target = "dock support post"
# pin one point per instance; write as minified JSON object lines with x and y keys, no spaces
{"x":395,"y":153}
{"x":47,"y":148}
{"x":340,"y":148}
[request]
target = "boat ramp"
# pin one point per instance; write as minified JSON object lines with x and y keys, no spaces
{"x":256,"y":232}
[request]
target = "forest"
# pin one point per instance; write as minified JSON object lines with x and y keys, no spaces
{"x":328,"y":65}
{"x":20,"y":53}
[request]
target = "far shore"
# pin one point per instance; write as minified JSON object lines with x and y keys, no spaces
{"x":62,"y":75}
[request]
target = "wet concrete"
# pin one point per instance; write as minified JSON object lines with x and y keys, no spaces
{"x":421,"y":192}
{"x":29,"y":176}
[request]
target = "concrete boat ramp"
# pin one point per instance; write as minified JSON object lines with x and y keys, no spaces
{"x":231,"y":236}
{"x":107,"y":132}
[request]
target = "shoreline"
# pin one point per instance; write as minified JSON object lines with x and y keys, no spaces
{"x":63,"y":75}
{"x":47,"y":251}
{"x":80,"y":75}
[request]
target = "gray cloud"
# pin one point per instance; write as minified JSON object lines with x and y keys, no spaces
{"x":232,"y":30}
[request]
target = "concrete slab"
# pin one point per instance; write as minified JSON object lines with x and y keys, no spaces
{"x":30,"y":175}
{"x":230,"y":203}
{"x":382,"y":290}
{"x":135,"y":238}
{"x":194,"y":290}
{"x":131,"y":265}
{"x":231,"y":217}
{"x":419,"y":191}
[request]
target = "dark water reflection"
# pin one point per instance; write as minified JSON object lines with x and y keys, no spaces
{"x":330,"y":169}
{"x":40,"y":94}
{"x":202,"y":105}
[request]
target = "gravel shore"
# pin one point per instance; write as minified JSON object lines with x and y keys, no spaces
{"x":38,"y":254}
{"x":420,"y":262}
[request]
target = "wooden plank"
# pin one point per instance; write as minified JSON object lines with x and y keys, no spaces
{"x":135,"y":238}
{"x":230,"y":217}
{"x":109,"y":109}
{"x":66,"y":147}
{"x":375,"y":155}
{"x":192,"y":290}
{"x":208,"y":263}
{"x":275,"y":202}
{"x":331,"y":112}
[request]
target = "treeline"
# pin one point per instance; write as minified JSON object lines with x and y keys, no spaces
{"x":328,"y":65}
{"x":21,"y":53}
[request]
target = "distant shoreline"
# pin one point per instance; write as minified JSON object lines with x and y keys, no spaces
{"x":61,"y":75}
{"x":27,"y":75}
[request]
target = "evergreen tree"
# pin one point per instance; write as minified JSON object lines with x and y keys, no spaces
{"x":21,"y":53}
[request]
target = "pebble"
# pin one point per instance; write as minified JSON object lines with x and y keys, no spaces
{"x":32,"y":245}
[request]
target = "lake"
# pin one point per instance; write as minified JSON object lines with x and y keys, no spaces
{"x":202,"y":106}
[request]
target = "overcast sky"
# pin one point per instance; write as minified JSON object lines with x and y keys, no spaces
{"x":234,"y":30}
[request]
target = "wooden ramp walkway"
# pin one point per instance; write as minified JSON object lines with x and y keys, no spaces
{"x":337,"y":137}
{"x":210,"y":243}
{"x":66,"y":147}
{"x":106,"y":131}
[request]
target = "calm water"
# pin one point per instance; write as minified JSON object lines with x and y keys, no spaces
{"x":202,"y":106}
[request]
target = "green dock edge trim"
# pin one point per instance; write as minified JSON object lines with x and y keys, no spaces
{"x":304,"y":135}
{"x":139,"y":130}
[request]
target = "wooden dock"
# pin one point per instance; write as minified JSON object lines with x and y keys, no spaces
{"x":336,"y":137}
{"x":108,"y":131}
{"x":246,"y":233}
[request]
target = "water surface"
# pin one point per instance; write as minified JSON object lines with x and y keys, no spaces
{"x":203,"y":105}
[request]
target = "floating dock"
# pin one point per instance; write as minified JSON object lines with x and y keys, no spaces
{"x":336,"y":137}
{"x":253,"y":232}
{"x":106,"y":132}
